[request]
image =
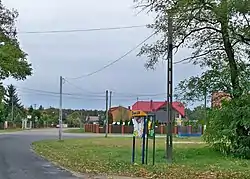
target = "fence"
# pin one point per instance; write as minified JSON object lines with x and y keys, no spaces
{"x":124,"y":129}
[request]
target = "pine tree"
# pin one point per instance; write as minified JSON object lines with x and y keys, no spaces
{"x":11,"y":100}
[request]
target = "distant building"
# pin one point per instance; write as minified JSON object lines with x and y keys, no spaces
{"x":218,"y":97}
{"x":119,"y":113}
{"x":159,"y":109}
{"x":92,"y":119}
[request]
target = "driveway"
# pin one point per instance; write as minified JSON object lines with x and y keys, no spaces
{"x":17,"y":161}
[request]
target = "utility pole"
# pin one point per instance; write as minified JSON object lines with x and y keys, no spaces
{"x":169,"y":70}
{"x":110,"y":102}
{"x":60,"y":109}
{"x":107,"y":115}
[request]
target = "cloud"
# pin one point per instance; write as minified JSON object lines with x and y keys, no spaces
{"x":76,"y":54}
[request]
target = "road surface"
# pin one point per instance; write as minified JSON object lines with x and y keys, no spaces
{"x":17,"y":161}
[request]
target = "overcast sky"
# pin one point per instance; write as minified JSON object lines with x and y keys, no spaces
{"x":80,"y":53}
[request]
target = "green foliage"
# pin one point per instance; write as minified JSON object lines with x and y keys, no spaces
{"x":214,"y":79}
{"x":11,"y":98}
{"x":198,"y":114}
{"x":13,"y":62}
{"x":215,"y":31}
{"x":228,"y":129}
{"x":74,"y":119}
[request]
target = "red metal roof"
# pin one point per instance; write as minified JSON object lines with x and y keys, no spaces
{"x":147,"y":106}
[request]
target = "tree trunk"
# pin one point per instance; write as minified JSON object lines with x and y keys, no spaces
{"x":237,"y":91}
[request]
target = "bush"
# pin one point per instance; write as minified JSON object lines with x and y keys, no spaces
{"x":228,"y":129}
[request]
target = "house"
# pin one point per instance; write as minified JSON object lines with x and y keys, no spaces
{"x":92,"y":119}
{"x":120,"y":113}
{"x":159,"y":109}
{"x":218,"y":97}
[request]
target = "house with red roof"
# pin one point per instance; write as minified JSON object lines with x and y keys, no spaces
{"x":159,"y":109}
{"x":119,"y":113}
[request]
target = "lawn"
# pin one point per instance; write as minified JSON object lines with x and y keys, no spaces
{"x":74,"y":131}
{"x":112,"y":156}
{"x":10,"y":130}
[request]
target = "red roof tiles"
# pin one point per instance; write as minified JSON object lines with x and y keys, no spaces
{"x":147,"y":106}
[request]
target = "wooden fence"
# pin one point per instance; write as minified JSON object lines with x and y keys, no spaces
{"x":123,"y":129}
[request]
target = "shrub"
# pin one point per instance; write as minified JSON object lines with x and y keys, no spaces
{"x":228,"y":129}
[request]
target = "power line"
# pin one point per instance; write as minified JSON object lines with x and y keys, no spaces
{"x":122,"y":94}
{"x":115,"y":61}
{"x":81,"y":96}
{"x":81,"y":30}
{"x":57,"y":96}
{"x":140,"y":95}
{"x":81,"y":88}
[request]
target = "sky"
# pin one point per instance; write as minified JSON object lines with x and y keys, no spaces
{"x":76,"y":54}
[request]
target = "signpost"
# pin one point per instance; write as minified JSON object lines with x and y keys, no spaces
{"x":144,"y":127}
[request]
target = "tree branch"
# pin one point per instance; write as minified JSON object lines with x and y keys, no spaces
{"x":193,"y":31}
{"x":197,"y":56}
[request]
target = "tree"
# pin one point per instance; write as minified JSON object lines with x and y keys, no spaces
{"x":217,"y":32}
{"x":11,"y":99}
{"x":224,"y":131}
{"x":30,"y":110}
{"x":41,"y":108}
{"x":217,"y":79}
{"x":211,"y":29}
{"x":198,"y":114}
{"x":13,"y":61}
{"x":74,"y":119}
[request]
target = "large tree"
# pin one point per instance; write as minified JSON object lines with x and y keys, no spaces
{"x":216,"y":31}
{"x":196,"y":88}
{"x":13,"y":61}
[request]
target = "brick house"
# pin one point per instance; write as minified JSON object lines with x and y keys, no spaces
{"x":217,"y":98}
{"x":159,"y":109}
{"x":119,"y":113}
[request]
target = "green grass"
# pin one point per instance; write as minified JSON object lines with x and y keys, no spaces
{"x":10,"y":130}
{"x":112,"y":156}
{"x":74,"y":131}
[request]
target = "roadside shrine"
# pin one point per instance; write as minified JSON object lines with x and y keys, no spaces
{"x":144,"y":127}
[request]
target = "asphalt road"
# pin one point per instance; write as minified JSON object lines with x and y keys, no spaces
{"x":18,"y":161}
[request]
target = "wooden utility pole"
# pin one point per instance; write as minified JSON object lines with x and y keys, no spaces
{"x":107,"y":114}
{"x":60,"y":109}
{"x":110,"y":102}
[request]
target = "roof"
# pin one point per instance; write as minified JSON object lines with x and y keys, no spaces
{"x":147,"y":106}
{"x":92,"y":118}
{"x":218,"y":97}
{"x":117,"y":107}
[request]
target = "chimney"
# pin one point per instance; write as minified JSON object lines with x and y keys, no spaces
{"x":151,"y":105}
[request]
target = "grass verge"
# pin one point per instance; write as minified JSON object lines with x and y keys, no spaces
{"x":10,"y":130}
{"x":112,"y":156}
{"x":75,"y":131}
